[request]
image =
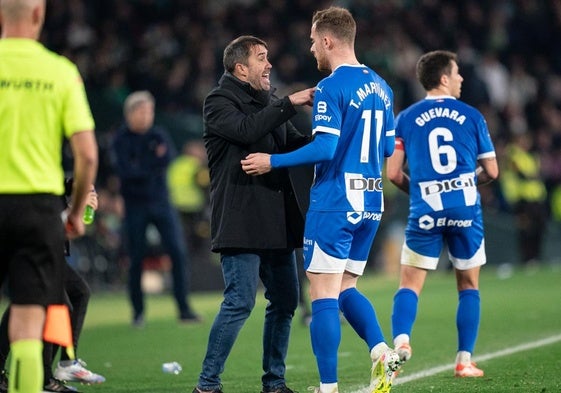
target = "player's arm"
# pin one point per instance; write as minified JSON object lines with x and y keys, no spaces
{"x":394,"y":167}
{"x":322,"y":148}
{"x":487,"y":170}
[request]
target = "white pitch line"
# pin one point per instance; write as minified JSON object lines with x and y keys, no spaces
{"x":503,"y":352}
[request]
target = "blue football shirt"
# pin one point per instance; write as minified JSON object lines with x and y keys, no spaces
{"x":443,"y":138}
{"x":355,"y":104}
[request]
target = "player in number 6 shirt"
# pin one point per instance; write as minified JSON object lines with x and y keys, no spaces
{"x":448,"y":150}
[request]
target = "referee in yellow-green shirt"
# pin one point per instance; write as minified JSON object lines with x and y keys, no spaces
{"x":42,"y":101}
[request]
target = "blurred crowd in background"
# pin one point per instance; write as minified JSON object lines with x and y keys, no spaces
{"x":510,"y":58}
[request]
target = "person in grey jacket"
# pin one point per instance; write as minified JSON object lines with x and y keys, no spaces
{"x":256,"y":221}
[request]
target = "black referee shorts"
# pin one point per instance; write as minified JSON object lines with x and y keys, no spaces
{"x":32,"y":248}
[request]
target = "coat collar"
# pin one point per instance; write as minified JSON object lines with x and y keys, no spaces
{"x":231,"y":82}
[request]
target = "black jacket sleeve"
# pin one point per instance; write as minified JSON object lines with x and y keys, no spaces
{"x":225,"y":117}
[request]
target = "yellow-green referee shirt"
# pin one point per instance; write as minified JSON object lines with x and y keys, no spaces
{"x":42,"y":101}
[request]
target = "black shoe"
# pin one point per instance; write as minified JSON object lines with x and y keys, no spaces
{"x":190,"y":317}
{"x":282,"y":389}
{"x":55,"y":385}
{"x":3,"y":381}
{"x":138,"y":321}
{"x":196,"y":390}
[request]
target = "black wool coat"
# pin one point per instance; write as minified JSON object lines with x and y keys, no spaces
{"x":252,"y":213}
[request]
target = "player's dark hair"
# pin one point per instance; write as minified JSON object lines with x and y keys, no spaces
{"x":432,"y":65}
{"x":338,"y":21}
{"x":239,"y":50}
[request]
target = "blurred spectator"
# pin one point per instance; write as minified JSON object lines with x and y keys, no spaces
{"x":142,"y":154}
{"x":188,"y":181}
{"x":526,"y":194}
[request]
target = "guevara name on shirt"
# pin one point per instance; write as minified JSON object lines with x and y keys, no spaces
{"x":438,"y":112}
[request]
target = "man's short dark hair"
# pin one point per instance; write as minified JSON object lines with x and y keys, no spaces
{"x":432,"y":65}
{"x":239,"y":50}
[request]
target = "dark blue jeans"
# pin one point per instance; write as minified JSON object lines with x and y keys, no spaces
{"x":166,"y":220}
{"x":241,"y":273}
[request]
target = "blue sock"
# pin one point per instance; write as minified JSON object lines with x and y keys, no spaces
{"x":361,"y":315}
{"x":404,"y":311}
{"x":325,"y":332}
{"x":467,"y":319}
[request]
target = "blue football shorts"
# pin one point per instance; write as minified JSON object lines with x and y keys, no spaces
{"x":460,"y":228}
{"x":335,"y":242}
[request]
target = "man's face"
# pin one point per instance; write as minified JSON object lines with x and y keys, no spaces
{"x":318,"y":51}
{"x":259,"y":68}
{"x":455,"y":81}
{"x":141,"y":118}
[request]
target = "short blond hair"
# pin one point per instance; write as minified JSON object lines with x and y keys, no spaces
{"x":338,"y":21}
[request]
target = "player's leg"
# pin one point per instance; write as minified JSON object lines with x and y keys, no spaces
{"x":359,"y":311}
{"x":325,"y":326}
{"x":468,"y":313}
{"x":78,"y":292}
{"x":467,"y":253}
{"x":357,"y":308}
{"x":49,"y":352}
{"x":69,"y":369}
{"x":405,"y":304}
{"x":420,"y":253}
{"x":326,"y":248}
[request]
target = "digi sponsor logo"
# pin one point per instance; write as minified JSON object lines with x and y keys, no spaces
{"x":426,"y":222}
{"x":436,"y":187}
{"x":360,"y":184}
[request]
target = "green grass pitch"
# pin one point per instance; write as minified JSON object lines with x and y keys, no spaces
{"x":522,"y":309}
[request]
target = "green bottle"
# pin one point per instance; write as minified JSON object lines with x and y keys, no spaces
{"x":89,"y":215}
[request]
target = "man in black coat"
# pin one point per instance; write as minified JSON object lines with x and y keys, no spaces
{"x":256,"y":221}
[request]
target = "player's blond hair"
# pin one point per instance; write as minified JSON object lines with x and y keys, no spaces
{"x":338,"y":21}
